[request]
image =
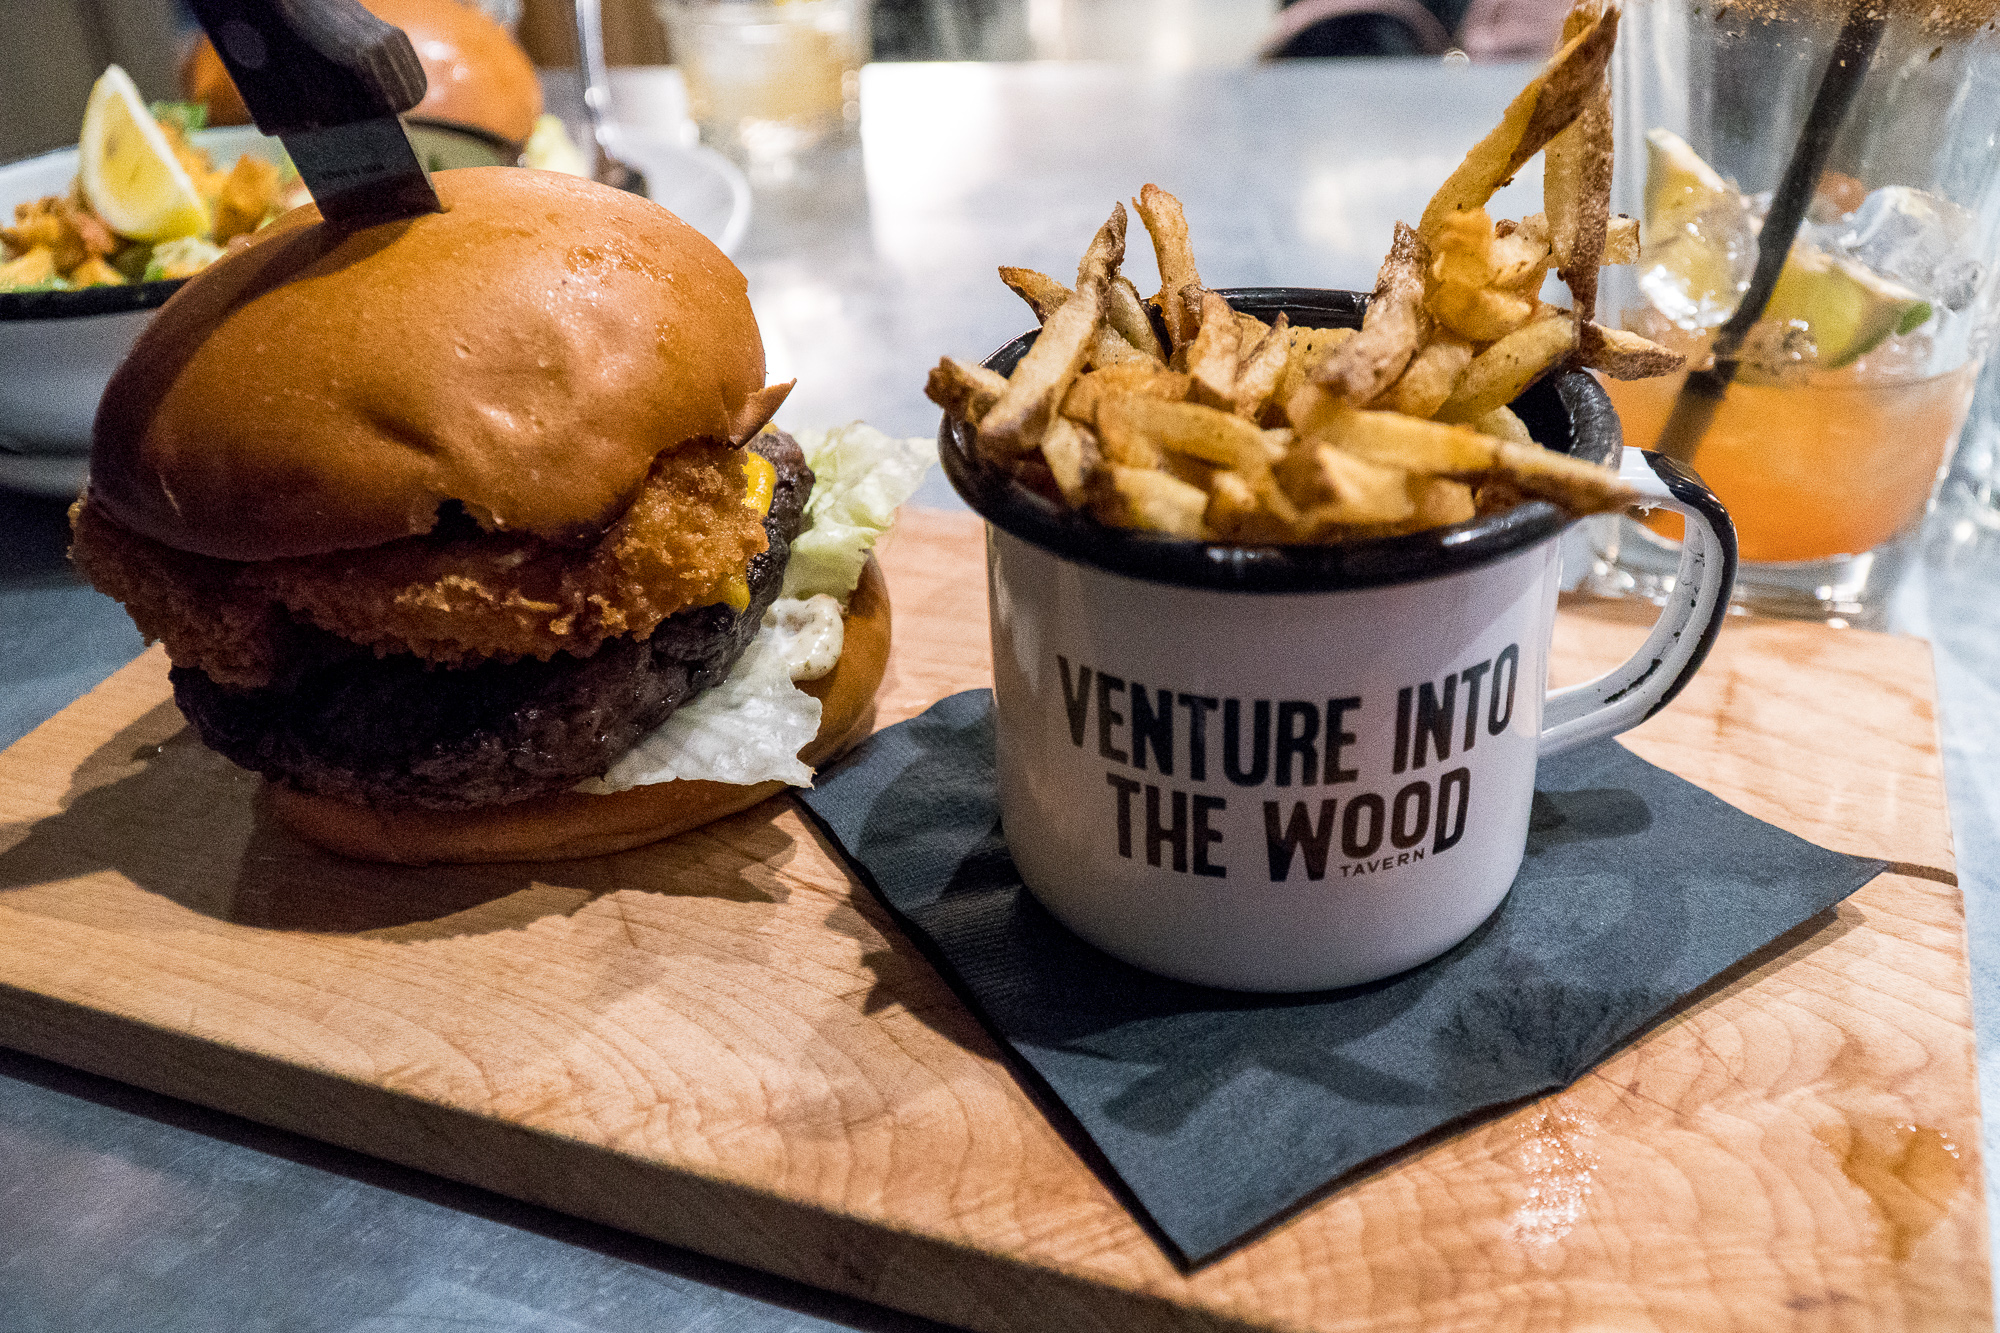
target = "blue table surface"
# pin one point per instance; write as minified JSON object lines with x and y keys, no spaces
{"x":123,"y":1210}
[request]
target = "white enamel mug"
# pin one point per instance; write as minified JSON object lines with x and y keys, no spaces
{"x":1294,"y":768}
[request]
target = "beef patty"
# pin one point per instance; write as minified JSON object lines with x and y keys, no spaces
{"x":397,"y":731}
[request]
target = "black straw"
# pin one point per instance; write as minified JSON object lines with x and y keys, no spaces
{"x":1702,"y":392}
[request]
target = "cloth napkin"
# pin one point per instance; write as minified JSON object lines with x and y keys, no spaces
{"x":1217,"y":1111}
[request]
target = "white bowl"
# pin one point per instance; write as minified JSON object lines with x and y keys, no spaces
{"x":54,"y":363}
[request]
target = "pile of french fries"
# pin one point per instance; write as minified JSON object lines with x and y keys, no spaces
{"x":1231,"y":429}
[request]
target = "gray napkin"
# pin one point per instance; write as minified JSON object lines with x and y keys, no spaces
{"x":1218,"y":1112}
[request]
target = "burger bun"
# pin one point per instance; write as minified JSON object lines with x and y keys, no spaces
{"x":480,"y":79}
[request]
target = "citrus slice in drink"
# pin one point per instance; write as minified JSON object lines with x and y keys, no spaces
{"x":1848,"y":309}
{"x":1680,"y":187}
{"x":1699,"y":240}
{"x":128,"y":170}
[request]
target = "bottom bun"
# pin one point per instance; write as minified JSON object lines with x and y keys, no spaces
{"x":571,"y":824}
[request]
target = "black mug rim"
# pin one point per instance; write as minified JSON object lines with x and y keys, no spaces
{"x":1568,"y":412}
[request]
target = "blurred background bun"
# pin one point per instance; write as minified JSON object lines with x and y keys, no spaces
{"x":480,"y":78}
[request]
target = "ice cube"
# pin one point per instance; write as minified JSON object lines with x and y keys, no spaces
{"x":1696,"y":274}
{"x":1917,"y":239}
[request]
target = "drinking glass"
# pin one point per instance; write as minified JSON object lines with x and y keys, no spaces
{"x":1850,"y":391}
{"x":767,"y":79}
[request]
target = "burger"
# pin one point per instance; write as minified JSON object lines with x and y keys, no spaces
{"x":468,"y":531}
{"x":479,"y":77}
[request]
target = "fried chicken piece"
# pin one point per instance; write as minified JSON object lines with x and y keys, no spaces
{"x":244,"y":197}
{"x":31,"y":268}
{"x":71,"y":234}
{"x":95,"y":272}
{"x":192,"y":602}
{"x":453,"y":597}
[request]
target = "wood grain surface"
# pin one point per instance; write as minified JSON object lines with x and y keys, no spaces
{"x":721,"y":1042}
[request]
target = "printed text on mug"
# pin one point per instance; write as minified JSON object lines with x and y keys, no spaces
{"x":1165,"y":733}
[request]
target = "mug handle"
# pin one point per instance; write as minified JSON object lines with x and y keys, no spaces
{"x":1627,"y":695}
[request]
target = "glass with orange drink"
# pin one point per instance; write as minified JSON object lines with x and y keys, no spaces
{"x":768,"y":79}
{"x":1851,"y":389}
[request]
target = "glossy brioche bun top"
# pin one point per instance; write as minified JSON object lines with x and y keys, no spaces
{"x":479,"y":75}
{"x":527,"y":353}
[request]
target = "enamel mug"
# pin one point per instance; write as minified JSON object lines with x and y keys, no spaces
{"x":1293,"y":768}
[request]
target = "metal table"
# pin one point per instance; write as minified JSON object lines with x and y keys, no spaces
{"x":121,"y":1210}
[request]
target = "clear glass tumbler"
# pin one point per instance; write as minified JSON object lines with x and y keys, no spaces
{"x":1850,"y":391}
{"x":767,"y":79}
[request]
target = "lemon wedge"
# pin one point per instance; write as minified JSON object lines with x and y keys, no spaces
{"x":1848,"y":309}
{"x":1700,"y":247}
{"x":1680,"y":187}
{"x":128,"y":170}
{"x":1699,"y":244}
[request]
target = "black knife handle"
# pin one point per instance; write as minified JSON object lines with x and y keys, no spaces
{"x":312,"y":64}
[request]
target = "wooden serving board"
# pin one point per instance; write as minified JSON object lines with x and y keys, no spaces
{"x":724,"y":1043}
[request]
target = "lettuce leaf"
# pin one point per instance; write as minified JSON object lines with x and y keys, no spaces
{"x":748,"y":729}
{"x":861,"y":476}
{"x":751,"y":727}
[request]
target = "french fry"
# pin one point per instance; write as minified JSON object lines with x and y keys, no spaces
{"x":1127,"y":314}
{"x":1430,"y":378}
{"x":1460,"y":289}
{"x":1578,"y":190}
{"x":1211,"y":357}
{"x":1166,"y":224}
{"x":1395,"y":326}
{"x":1537,"y":114}
{"x":1623,"y":355}
{"x":1230,"y":429}
{"x":1502,"y":424}
{"x":1519,"y":256}
{"x":1463,"y":454}
{"x":1237,"y":513}
{"x":1122,"y":437}
{"x":1145,"y":380}
{"x":1207,"y":433}
{"x":1576,"y":183}
{"x":1258,"y":370}
{"x":1250,"y":330}
{"x":1462,"y":254}
{"x":1480,"y":314}
{"x":1142,"y":498}
{"x":1107,"y":251}
{"x":1107,"y":348}
{"x":1043,"y":293}
{"x":1437,"y":502}
{"x":1015,"y":424}
{"x":1246,"y":508}
{"x":1621,"y":240}
{"x":1045,"y":296}
{"x":1072,"y":455}
{"x":966,"y":391}
{"x":1304,"y":350}
{"x":1498,"y":375}
{"x":1193,"y":471}
{"x":1335,"y":488}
